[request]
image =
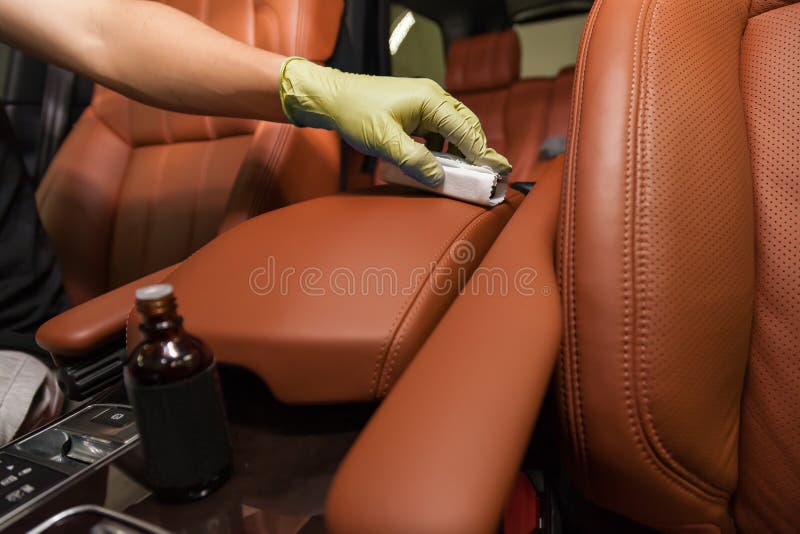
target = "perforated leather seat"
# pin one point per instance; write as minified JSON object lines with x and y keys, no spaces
{"x":134,"y":188}
{"x":680,"y":377}
{"x":517,"y":115}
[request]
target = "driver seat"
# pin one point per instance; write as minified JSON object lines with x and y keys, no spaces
{"x":680,"y":377}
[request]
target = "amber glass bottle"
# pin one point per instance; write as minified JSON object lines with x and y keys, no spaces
{"x":172,"y":382}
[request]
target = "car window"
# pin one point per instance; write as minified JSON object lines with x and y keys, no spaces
{"x":416,"y":45}
{"x":550,"y":45}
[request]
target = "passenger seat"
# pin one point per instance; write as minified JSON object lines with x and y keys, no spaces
{"x":517,"y":115}
{"x":135,"y":189}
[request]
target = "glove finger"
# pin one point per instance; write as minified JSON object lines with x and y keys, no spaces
{"x":413,"y":158}
{"x":490,"y":157}
{"x":497,"y":162}
{"x":460,"y":130}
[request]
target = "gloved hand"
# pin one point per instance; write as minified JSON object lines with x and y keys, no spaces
{"x":376,"y":114}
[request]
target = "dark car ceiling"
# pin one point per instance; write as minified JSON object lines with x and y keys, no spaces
{"x":529,"y":10}
{"x":461,"y":18}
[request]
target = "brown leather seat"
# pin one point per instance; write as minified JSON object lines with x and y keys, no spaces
{"x":517,"y":115}
{"x":134,"y":188}
{"x":680,"y":377}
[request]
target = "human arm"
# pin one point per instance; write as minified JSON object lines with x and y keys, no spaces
{"x":163,"y":57}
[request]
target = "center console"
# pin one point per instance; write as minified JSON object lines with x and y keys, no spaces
{"x":86,"y":470}
{"x":39,"y":465}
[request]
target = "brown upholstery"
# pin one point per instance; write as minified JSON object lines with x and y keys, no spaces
{"x":678,"y":384}
{"x":769,"y":467}
{"x":355,"y":284}
{"x":135,"y":189}
{"x":442,"y":452}
{"x":488,"y":61}
{"x":760,"y":6}
{"x":517,"y":115}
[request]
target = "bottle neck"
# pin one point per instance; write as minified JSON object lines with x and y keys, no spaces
{"x":160,"y":319}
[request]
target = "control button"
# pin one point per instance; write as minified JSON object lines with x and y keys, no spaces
{"x":18,"y":489}
{"x":116,"y":417}
{"x":10,"y":467}
{"x":15,"y":496}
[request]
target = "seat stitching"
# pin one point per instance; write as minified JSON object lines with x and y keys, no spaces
{"x":132,"y":144}
{"x":269,"y":172}
{"x":385,"y":346}
{"x":423,"y":296}
{"x":199,"y":186}
{"x":152,"y":193}
{"x":573,"y":366}
{"x":667,"y":466}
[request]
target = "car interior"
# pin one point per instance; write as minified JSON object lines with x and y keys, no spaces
{"x":611,"y":349}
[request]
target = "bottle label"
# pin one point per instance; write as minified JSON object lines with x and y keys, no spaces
{"x":183,"y":431}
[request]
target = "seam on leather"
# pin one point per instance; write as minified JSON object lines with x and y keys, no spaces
{"x":104,"y":123}
{"x":133,"y":144}
{"x":423,"y":296}
{"x":46,"y":186}
{"x":780,"y":5}
{"x":404,"y":308}
{"x":569,"y":361}
{"x":113,"y":223}
{"x":645,"y":434}
{"x":159,"y":174}
{"x":374,"y":384}
{"x":627,"y":291}
{"x":198,"y":185}
{"x":572,"y":397}
{"x":266,"y":178}
{"x":301,"y":28}
{"x":251,"y":24}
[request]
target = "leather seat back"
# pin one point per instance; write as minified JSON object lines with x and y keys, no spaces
{"x":135,"y":188}
{"x":517,"y":115}
{"x":679,"y":381}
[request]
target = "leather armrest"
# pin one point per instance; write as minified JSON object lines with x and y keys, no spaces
{"x":90,"y":325}
{"x":442,"y":451}
{"x":328,"y":300}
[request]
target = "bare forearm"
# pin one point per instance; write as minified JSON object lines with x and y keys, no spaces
{"x":150,"y":52}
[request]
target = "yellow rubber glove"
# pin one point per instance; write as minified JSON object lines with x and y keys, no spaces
{"x":376,"y":114}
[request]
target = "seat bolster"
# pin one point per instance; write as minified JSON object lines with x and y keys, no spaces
{"x":277,"y":170}
{"x":442,"y":452}
{"x":656,"y":262}
{"x":90,"y":325}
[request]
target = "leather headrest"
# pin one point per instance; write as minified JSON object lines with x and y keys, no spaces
{"x":488,"y":61}
{"x":307,"y":28}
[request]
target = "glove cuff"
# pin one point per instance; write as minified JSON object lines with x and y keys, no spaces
{"x":285,"y":86}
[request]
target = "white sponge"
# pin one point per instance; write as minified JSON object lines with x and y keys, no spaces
{"x":462,"y":181}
